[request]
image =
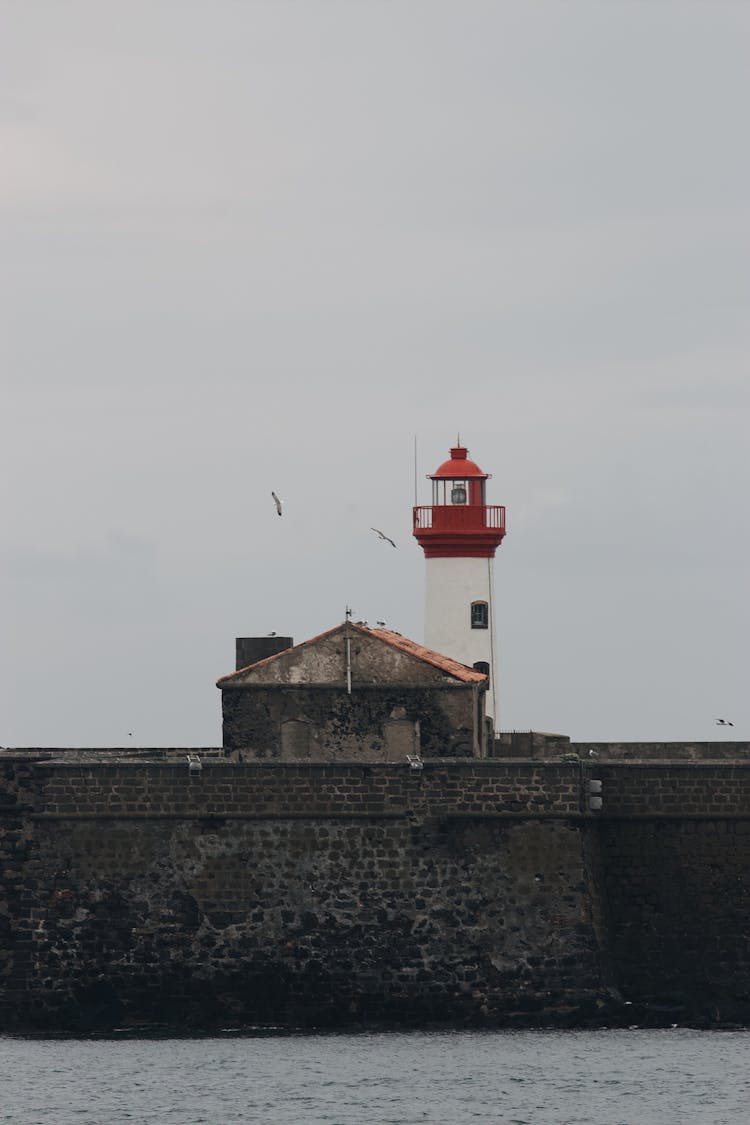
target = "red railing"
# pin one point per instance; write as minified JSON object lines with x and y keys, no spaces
{"x":451,"y":517}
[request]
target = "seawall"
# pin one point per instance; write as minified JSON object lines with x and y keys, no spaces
{"x":311,"y":894}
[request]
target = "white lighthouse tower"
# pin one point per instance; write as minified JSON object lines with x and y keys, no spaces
{"x":459,"y":534}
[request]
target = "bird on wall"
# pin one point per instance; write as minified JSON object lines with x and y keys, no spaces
{"x":279,"y":503}
{"x":724,"y":723}
{"x":382,"y":536}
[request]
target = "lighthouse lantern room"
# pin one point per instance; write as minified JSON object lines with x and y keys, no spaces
{"x":459,"y":534}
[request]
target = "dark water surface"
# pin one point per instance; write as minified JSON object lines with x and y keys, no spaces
{"x":677,"y":1077}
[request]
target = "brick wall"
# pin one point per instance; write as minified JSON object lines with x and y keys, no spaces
{"x":309,"y":789}
{"x":442,"y":788}
{"x":681,"y":789}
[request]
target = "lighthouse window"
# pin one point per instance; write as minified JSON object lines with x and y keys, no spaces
{"x":479,"y":615}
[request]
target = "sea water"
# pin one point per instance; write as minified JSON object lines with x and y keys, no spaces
{"x":670,"y":1077}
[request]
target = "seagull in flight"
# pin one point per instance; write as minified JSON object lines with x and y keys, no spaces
{"x":277,"y":502}
{"x":382,"y":536}
{"x":724,"y":723}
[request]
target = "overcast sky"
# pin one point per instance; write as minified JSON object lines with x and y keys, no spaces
{"x":256,"y":244}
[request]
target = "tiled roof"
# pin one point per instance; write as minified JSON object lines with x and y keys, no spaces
{"x":395,"y":640}
{"x":444,"y":663}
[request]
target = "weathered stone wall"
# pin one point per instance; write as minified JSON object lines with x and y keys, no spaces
{"x":537,"y":744}
{"x":312,"y":894}
{"x":677,"y":917}
{"x":678,"y":789}
{"x":319,"y":894}
{"x":311,"y":921}
{"x":325,"y":724}
{"x":662,"y":751}
{"x":269,"y":789}
{"x":18,"y":797}
{"x":443,"y":788}
{"x":529,"y":744}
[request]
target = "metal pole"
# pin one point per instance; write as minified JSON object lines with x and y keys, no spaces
{"x":416,"y":501}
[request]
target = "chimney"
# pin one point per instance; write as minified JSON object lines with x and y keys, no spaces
{"x":249,"y":650}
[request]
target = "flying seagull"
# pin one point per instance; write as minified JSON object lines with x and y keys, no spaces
{"x":382,"y":536}
{"x":724,"y":723}
{"x":277,"y":502}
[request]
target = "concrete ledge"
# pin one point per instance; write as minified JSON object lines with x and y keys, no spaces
{"x":404,"y":815}
{"x":317,"y":816}
{"x":592,"y":816}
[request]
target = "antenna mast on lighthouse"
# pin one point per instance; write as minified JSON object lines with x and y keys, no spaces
{"x":459,"y":534}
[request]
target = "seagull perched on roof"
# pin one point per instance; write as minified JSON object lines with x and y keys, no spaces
{"x":382,"y":536}
{"x":277,"y":502}
{"x":724,"y":723}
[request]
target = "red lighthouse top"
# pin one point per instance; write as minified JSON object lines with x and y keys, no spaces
{"x":459,"y":466}
{"x":458,"y":523}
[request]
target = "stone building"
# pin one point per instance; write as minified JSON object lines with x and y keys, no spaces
{"x":352,"y":693}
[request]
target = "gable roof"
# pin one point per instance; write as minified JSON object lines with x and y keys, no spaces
{"x":436,"y":660}
{"x":232,"y":677}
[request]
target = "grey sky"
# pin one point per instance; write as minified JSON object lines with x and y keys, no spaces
{"x":255,"y":245}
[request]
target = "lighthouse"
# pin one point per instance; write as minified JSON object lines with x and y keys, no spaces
{"x":459,"y":534}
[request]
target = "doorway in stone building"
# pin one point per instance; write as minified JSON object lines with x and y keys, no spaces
{"x":295,"y":739}
{"x":401,"y":738}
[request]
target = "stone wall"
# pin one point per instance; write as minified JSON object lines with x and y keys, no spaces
{"x":309,"y":894}
{"x":302,"y":894}
{"x":322,"y":723}
{"x":662,"y":751}
{"x":271,"y":789}
{"x":677,"y":924}
{"x":442,"y":788}
{"x":542,"y":746}
{"x":529,"y":744}
{"x":674,"y":789}
{"x":18,"y":900}
{"x":311,"y":922}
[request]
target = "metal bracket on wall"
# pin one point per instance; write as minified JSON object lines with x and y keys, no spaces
{"x":594,"y":787}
